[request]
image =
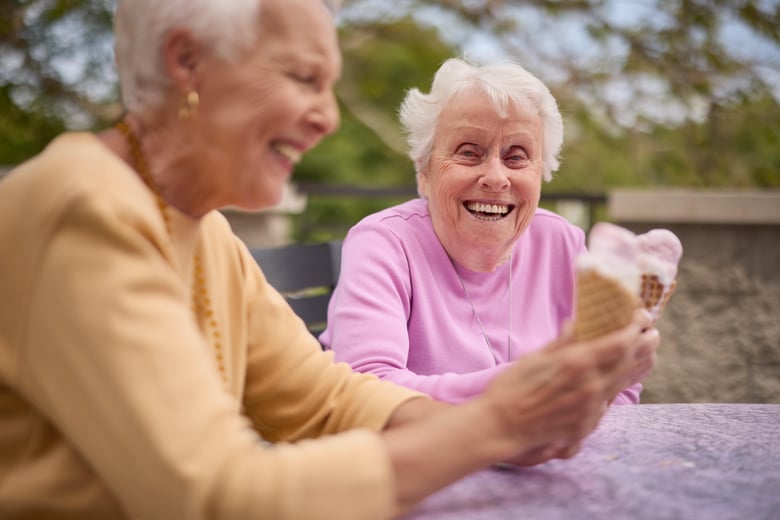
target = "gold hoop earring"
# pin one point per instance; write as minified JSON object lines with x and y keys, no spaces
{"x":189,"y":105}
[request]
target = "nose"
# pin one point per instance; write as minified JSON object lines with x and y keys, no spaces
{"x":325,"y":116}
{"x":494,"y":177}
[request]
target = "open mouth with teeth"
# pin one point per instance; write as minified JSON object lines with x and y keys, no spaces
{"x":288,"y":152}
{"x":488,"y":211}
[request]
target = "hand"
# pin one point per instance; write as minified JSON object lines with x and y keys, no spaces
{"x":550,"y":400}
{"x":538,"y":408}
{"x":645,"y":351}
{"x":544,"y":454}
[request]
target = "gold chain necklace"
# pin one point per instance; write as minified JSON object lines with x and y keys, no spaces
{"x":201,"y":302}
{"x":479,"y":321}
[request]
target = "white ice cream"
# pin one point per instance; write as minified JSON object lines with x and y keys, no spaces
{"x":660,"y":253}
{"x":614,"y":252}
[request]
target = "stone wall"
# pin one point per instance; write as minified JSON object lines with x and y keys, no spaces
{"x":721,"y":329}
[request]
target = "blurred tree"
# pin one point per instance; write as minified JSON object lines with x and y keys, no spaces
{"x":56,"y":72}
{"x":737,"y":144}
{"x":56,"y":60}
{"x":22,"y":131}
{"x":382,"y":61}
{"x":680,"y":92}
{"x":627,"y":58}
{"x":655,"y":92}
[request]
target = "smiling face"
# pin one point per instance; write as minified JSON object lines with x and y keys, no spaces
{"x":483,"y":179}
{"x":258,"y":116}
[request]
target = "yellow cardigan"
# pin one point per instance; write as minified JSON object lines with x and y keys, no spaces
{"x":111,"y":403}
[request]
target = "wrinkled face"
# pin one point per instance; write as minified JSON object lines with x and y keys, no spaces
{"x":483,"y":180}
{"x":259,"y":115}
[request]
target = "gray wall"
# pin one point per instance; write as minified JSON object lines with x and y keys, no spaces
{"x":721,"y":329}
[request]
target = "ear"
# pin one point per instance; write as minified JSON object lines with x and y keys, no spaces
{"x":183,"y":59}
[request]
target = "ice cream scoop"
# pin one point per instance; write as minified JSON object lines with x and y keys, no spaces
{"x":660,"y":253}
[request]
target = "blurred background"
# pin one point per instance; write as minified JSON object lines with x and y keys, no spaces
{"x":654,"y":92}
{"x":672,"y":119}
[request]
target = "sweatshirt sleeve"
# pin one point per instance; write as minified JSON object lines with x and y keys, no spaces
{"x":369,"y":314}
{"x":112,"y":356}
{"x":630,"y":395}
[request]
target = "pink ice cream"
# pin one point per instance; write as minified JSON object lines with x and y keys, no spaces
{"x":661,"y":251}
{"x":646,"y":264}
{"x":614,"y":252}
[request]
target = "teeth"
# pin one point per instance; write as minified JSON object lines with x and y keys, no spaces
{"x":499,"y":209}
{"x":292,"y":154}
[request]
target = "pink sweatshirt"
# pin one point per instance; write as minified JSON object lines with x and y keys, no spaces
{"x":400,"y":312}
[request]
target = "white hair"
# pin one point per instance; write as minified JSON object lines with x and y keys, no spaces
{"x":141,"y":26}
{"x":502,"y":83}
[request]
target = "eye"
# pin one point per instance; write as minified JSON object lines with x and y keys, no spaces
{"x":517,"y":157}
{"x":306,"y":79}
{"x":305,"y":76}
{"x":468,"y":151}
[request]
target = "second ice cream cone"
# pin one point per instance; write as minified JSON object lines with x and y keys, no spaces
{"x":655,"y":294}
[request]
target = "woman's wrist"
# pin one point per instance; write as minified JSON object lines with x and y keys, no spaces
{"x":415,"y":409}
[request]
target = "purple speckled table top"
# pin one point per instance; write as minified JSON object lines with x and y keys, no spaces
{"x":654,"y":461}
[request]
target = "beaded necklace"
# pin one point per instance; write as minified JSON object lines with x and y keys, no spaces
{"x":479,"y":321}
{"x":201,"y":302}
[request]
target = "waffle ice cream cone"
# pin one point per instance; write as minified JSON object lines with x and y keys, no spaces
{"x":603,"y":305}
{"x":607,"y":292}
{"x":655,"y":294}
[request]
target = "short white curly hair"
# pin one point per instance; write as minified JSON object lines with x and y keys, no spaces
{"x":503,"y":83}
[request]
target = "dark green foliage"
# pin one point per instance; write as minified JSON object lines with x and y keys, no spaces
{"x":23,"y":133}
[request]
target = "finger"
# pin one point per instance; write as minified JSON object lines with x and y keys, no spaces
{"x":569,"y":451}
{"x":648,"y":344}
{"x":565,"y":336}
{"x":567,"y":331}
{"x":653,"y":338}
{"x":615,"y":348}
{"x":643,"y":318}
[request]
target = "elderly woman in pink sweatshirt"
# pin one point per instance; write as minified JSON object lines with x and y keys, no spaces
{"x":439,"y":293}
